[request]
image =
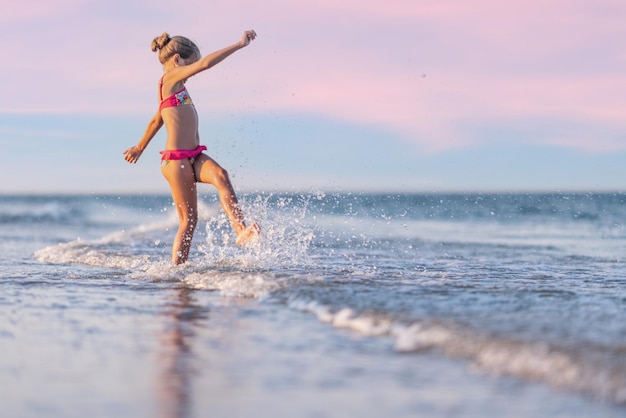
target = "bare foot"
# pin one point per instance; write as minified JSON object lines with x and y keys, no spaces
{"x":249,"y":235}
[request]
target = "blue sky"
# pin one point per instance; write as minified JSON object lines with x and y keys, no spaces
{"x":371,"y":95}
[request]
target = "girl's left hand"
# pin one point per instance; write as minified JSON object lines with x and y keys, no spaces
{"x":132,"y":154}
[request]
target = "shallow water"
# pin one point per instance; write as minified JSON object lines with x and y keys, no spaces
{"x":411,"y":305}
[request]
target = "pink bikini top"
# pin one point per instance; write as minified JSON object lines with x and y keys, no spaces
{"x":177,"y":99}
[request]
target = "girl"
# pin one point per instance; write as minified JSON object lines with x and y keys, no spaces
{"x":183,"y":163}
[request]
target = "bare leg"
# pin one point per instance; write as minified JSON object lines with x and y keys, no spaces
{"x":209,"y":171}
{"x":180,"y":176}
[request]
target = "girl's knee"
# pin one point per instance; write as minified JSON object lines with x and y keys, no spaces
{"x":188,"y":218}
{"x":222,"y":175}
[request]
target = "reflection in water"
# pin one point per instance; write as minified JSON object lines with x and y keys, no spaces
{"x":176,"y":355}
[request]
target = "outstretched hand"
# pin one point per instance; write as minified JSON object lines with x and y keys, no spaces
{"x":248,"y":36}
{"x":132,"y":154}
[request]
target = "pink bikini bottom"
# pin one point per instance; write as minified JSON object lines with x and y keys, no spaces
{"x":181,"y":154}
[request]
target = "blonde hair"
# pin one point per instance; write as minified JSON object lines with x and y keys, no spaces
{"x":170,"y":46}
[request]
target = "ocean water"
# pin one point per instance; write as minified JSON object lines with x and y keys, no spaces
{"x":369,"y":305}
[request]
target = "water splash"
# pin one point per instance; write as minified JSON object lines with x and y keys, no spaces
{"x":144,"y":249}
{"x":284,"y":242}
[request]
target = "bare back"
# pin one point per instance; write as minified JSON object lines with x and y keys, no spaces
{"x":181,"y":121}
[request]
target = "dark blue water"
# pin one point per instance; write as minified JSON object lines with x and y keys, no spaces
{"x":529,"y":287}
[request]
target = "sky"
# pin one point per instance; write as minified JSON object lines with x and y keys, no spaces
{"x":369,"y":95}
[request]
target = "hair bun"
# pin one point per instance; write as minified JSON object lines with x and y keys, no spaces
{"x":159,"y":42}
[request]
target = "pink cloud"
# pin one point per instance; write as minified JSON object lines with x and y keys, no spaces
{"x":30,"y":10}
{"x":420,"y":69}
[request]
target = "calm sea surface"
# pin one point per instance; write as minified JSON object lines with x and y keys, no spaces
{"x":434,"y":305}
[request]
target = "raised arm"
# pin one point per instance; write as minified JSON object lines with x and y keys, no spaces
{"x":132,"y":154}
{"x":208,"y":61}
